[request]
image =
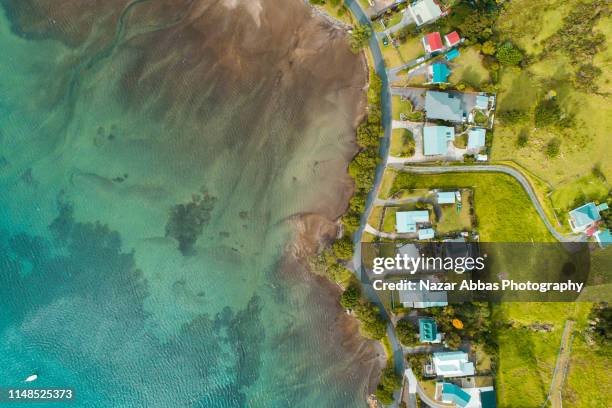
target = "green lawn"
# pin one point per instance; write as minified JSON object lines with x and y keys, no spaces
{"x":402,"y":143}
{"x":504,"y":211}
{"x":411,"y":49}
{"x":468,"y":68}
{"x":404,"y":106}
{"x":587,"y":188}
{"x":389,"y":221}
{"x":453,"y":220}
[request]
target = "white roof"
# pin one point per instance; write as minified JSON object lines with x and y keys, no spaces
{"x":424,"y":11}
{"x":452,"y":364}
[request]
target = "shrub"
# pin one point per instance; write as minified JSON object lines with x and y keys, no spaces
{"x":508,"y":54}
{"x":359,"y":37}
{"x":406,"y":333}
{"x":523,"y":138}
{"x":547,"y":113}
{"x":553,"y":147}
{"x":350,"y":297}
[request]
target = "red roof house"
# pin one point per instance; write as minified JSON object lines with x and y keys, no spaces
{"x":432,"y":42}
{"x":452,"y":38}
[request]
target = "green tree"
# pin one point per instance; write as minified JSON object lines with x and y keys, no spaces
{"x":359,"y":37}
{"x":508,"y":54}
{"x":372,"y":323}
{"x":406,"y":333}
{"x":488,"y":48}
{"x":548,"y":113}
{"x":523,"y":138}
{"x":553,"y":147}
{"x":601,"y":324}
{"x":343,"y":247}
{"x":350,"y":297}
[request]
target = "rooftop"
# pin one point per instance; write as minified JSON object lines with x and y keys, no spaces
{"x":476,"y":138}
{"x":452,"y":54}
{"x":428,"y":331}
{"x":482,"y":101}
{"x":452,"y":364}
{"x":425,"y":11}
{"x":585,"y":215}
{"x":446,"y":197}
{"x":440,"y":73}
{"x":420,"y":299}
{"x":454,"y":394}
{"x":604,"y":238}
{"x":432,"y":42}
{"x":444,"y":106}
{"x":405,"y":221}
{"x":426,"y":233}
{"x":452,"y":38}
{"x":436,"y":139}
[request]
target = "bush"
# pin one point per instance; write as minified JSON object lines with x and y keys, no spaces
{"x":523,"y":138}
{"x":359,"y":37}
{"x":372,"y":323}
{"x":343,"y":248}
{"x":553,"y":147}
{"x":389,"y":382}
{"x":508,"y":54}
{"x":548,"y":113}
{"x":601,"y":326}
{"x":513,"y":116}
{"x":406,"y":333}
{"x":351,"y":296}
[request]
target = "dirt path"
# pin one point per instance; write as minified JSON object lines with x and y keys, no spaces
{"x":563,"y":359}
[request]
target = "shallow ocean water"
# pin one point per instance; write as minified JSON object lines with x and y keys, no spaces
{"x":95,"y":296}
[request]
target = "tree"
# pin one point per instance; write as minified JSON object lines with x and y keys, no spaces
{"x":523,"y":138}
{"x":548,"y":113}
{"x":359,"y":37}
{"x":601,"y":324}
{"x":372,"y":323}
{"x":488,"y":48}
{"x":508,"y":54}
{"x":343,"y":248}
{"x":452,"y":340}
{"x":350,"y":297}
{"x":389,"y":382}
{"x":406,"y":333}
{"x":553,"y":147}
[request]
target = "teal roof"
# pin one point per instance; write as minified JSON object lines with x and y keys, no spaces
{"x":604,"y":238}
{"x":487,"y":399}
{"x":405,"y":221}
{"x":444,"y":106}
{"x":436,"y":139}
{"x":450,"y":392}
{"x":451,"y":355}
{"x":447,"y":197}
{"x":602,"y":207}
{"x":426,"y":233}
{"x":476,"y":138}
{"x":482,"y":101}
{"x":440,"y":73}
{"x":452,"y":54}
{"x":585,"y":215}
{"x":428,"y":331}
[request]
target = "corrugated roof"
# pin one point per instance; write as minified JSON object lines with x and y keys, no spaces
{"x":452,"y":38}
{"x":452,"y":54}
{"x":405,"y":221}
{"x":476,"y":138}
{"x":426,"y":233}
{"x":444,"y":106}
{"x":440,"y":73}
{"x":446,"y":197}
{"x":428,"y":330}
{"x":585,"y":215}
{"x":451,"y":392}
{"x":434,"y":41}
{"x":436,"y":139}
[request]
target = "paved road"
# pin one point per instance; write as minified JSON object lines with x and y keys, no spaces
{"x":495,"y":168}
{"x":558,"y":378}
{"x":415,"y":387}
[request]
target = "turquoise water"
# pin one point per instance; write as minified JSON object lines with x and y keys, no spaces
{"x":95,"y":294}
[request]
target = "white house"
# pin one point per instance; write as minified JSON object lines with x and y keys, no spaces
{"x":425,"y":11}
{"x":452,"y":364}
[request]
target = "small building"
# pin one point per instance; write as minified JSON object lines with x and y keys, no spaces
{"x":439,"y":73}
{"x":452,"y":54}
{"x":603,"y":238}
{"x":436,"y":140}
{"x":476,"y":138}
{"x":452,"y":394}
{"x":444,"y":106}
{"x":584,"y":217}
{"x":428,"y":331}
{"x":482,"y":102}
{"x":452,"y":39}
{"x":482,"y":157}
{"x":426,"y":233}
{"x":447,"y":197}
{"x":425,"y":11}
{"x":406,"y":221}
{"x":432,"y":42}
{"x":421,"y":299}
{"x":452,"y":364}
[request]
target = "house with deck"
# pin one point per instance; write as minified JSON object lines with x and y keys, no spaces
{"x":586,"y":217}
{"x":425,"y":11}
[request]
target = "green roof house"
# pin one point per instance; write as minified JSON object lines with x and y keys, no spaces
{"x":436,"y":139}
{"x":428,"y":331}
{"x":406,"y":221}
{"x":585,"y":217}
{"x":439,"y":73}
{"x":444,"y":106}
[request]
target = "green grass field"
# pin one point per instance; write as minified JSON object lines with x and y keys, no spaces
{"x":453,"y":220}
{"x":468,"y":68}
{"x":401,"y":144}
{"x":411,"y":49}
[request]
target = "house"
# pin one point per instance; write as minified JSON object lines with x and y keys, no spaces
{"x":432,"y":42}
{"x":439,"y":73}
{"x":436,"y":139}
{"x":476,"y":138}
{"x":428,"y":331}
{"x":425,"y":11}
{"x":444,"y":106}
{"x":482,"y":397}
{"x":426,"y":233}
{"x":421,"y":299}
{"x":452,"y":39}
{"x":447,"y":197}
{"x":603,"y":238}
{"x":406,"y":221}
{"x":452,"y":54}
{"x":482,"y":102}
{"x":452,"y":364}
{"x":482,"y":157}
{"x":584,"y":217}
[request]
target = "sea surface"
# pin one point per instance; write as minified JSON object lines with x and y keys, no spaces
{"x":154,"y":159}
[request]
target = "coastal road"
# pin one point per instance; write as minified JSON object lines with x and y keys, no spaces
{"x":493,"y":168}
{"x":381,"y":70}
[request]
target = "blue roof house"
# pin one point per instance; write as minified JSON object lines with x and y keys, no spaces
{"x":447,"y":197}
{"x":436,"y":139}
{"x":428,"y":331}
{"x":406,"y":221}
{"x":444,"y":106}
{"x":452,"y":394}
{"x":476,"y":138}
{"x":586,"y":216}
{"x":439,"y":73}
{"x":603,"y":238}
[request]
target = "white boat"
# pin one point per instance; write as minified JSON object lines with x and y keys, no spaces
{"x":31,"y":378}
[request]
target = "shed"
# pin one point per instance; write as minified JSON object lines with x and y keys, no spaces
{"x":452,"y":39}
{"x":482,"y":102}
{"x":426,"y":233}
{"x":446,"y":197}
